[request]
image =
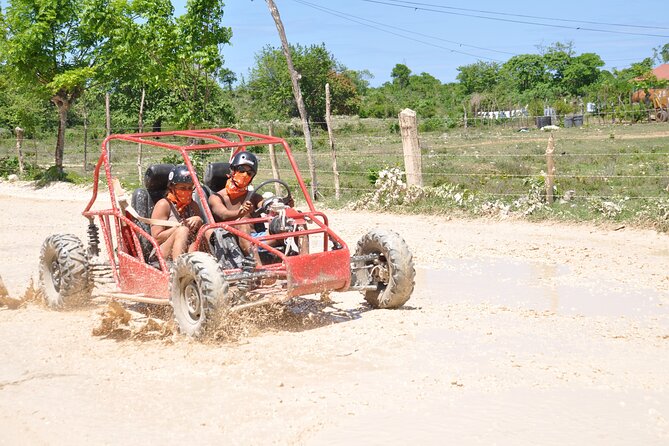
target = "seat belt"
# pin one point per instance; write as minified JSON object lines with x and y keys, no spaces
{"x":125,"y":206}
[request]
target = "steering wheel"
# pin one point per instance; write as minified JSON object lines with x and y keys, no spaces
{"x":264,"y":209}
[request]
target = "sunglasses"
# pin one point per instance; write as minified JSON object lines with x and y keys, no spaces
{"x":244,"y":169}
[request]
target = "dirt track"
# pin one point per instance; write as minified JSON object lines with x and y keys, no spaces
{"x":517,"y":333}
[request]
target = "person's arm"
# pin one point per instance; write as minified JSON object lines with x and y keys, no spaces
{"x":161,"y":211}
{"x":256,"y":201}
{"x":221,"y":211}
{"x":193,"y":223}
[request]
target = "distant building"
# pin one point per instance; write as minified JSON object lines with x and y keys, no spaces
{"x":662,"y":72}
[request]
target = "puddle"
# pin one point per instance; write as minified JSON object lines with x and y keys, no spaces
{"x":536,"y":286}
{"x":517,"y":416}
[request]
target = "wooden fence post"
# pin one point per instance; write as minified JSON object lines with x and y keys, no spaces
{"x":328,"y":122}
{"x":19,"y":147}
{"x":273,"y":161}
{"x":411,"y":147}
{"x":550,"y":170}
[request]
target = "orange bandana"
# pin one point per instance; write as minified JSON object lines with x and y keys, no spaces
{"x":181,"y":199}
{"x":237,"y":186}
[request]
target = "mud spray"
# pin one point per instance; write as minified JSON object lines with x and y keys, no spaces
{"x":32,"y":294}
{"x":145,"y":322}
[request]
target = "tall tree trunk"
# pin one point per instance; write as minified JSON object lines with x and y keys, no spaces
{"x":19,"y":147}
{"x":273,"y":161}
{"x":140,"y":128}
{"x":108,"y":124}
{"x":85,"y":136}
{"x":63,"y":105}
{"x":328,"y":122}
{"x":297,"y":92}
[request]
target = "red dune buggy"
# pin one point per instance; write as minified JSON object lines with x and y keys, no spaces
{"x":300,"y":252}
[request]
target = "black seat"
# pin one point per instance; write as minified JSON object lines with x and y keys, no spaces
{"x":144,"y":199}
{"x":216,"y":175}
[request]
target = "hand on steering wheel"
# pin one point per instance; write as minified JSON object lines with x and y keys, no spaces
{"x":286,"y":199}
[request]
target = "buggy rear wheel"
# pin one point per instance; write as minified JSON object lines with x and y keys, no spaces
{"x":64,"y":273}
{"x":392,"y":272}
{"x":198,"y":293}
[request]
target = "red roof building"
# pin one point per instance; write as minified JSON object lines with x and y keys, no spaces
{"x":662,"y":72}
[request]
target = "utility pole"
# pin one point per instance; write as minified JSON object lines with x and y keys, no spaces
{"x":297,"y":92}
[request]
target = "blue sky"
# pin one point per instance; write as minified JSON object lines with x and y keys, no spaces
{"x":360,"y":44}
{"x":377,"y":34}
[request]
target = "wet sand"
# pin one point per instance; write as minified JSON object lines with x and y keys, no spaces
{"x":517,"y":333}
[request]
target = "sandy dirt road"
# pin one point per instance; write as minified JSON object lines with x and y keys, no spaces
{"x":517,"y":333}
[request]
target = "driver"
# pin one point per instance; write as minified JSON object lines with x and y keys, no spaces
{"x":235,"y":200}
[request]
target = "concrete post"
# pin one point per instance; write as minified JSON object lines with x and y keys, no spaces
{"x":411,"y":147}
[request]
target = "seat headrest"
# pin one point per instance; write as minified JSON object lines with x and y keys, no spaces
{"x":156,"y":176}
{"x":216,"y":175}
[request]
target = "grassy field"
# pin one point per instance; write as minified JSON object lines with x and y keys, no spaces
{"x":608,"y":172}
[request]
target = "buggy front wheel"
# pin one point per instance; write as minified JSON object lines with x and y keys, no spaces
{"x":392,"y":272}
{"x":198,"y":293}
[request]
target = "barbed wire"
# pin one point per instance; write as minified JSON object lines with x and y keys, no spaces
{"x":518,"y":195}
{"x":132,"y":164}
{"x":484,"y":115}
{"x":342,"y":154}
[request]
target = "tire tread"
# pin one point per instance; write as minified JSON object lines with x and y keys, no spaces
{"x":402,"y":279}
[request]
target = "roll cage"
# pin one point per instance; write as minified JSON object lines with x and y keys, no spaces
{"x":328,"y":269}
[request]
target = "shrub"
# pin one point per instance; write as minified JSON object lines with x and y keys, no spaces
{"x":10,"y":166}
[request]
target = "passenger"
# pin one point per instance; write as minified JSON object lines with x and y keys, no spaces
{"x":177,"y":206}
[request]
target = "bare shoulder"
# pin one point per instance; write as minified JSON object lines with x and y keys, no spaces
{"x":161,"y":209}
{"x":215,"y":198}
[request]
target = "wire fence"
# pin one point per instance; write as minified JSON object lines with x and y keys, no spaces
{"x":591,"y":161}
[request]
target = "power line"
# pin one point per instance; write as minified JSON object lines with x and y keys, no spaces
{"x":525,"y":22}
{"x":624,"y":25}
{"x":341,"y":14}
{"x":360,"y":20}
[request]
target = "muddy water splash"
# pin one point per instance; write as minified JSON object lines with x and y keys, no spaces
{"x":32,"y":294}
{"x":536,"y":286}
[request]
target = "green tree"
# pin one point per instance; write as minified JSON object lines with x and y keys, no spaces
{"x":22,"y":106}
{"x":478,"y":77}
{"x":45,"y":47}
{"x":360,"y":79}
{"x":200,"y":61}
{"x":400,"y":75}
{"x":582,"y":71}
{"x":661,"y":53}
{"x":525,"y":71}
{"x":138,"y":50}
{"x":177,"y":61}
{"x":270,"y":87}
{"x":423,"y":93}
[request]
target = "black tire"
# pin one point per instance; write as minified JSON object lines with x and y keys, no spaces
{"x":64,"y":274}
{"x":662,"y":116}
{"x":198,"y":293}
{"x":393,"y":273}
